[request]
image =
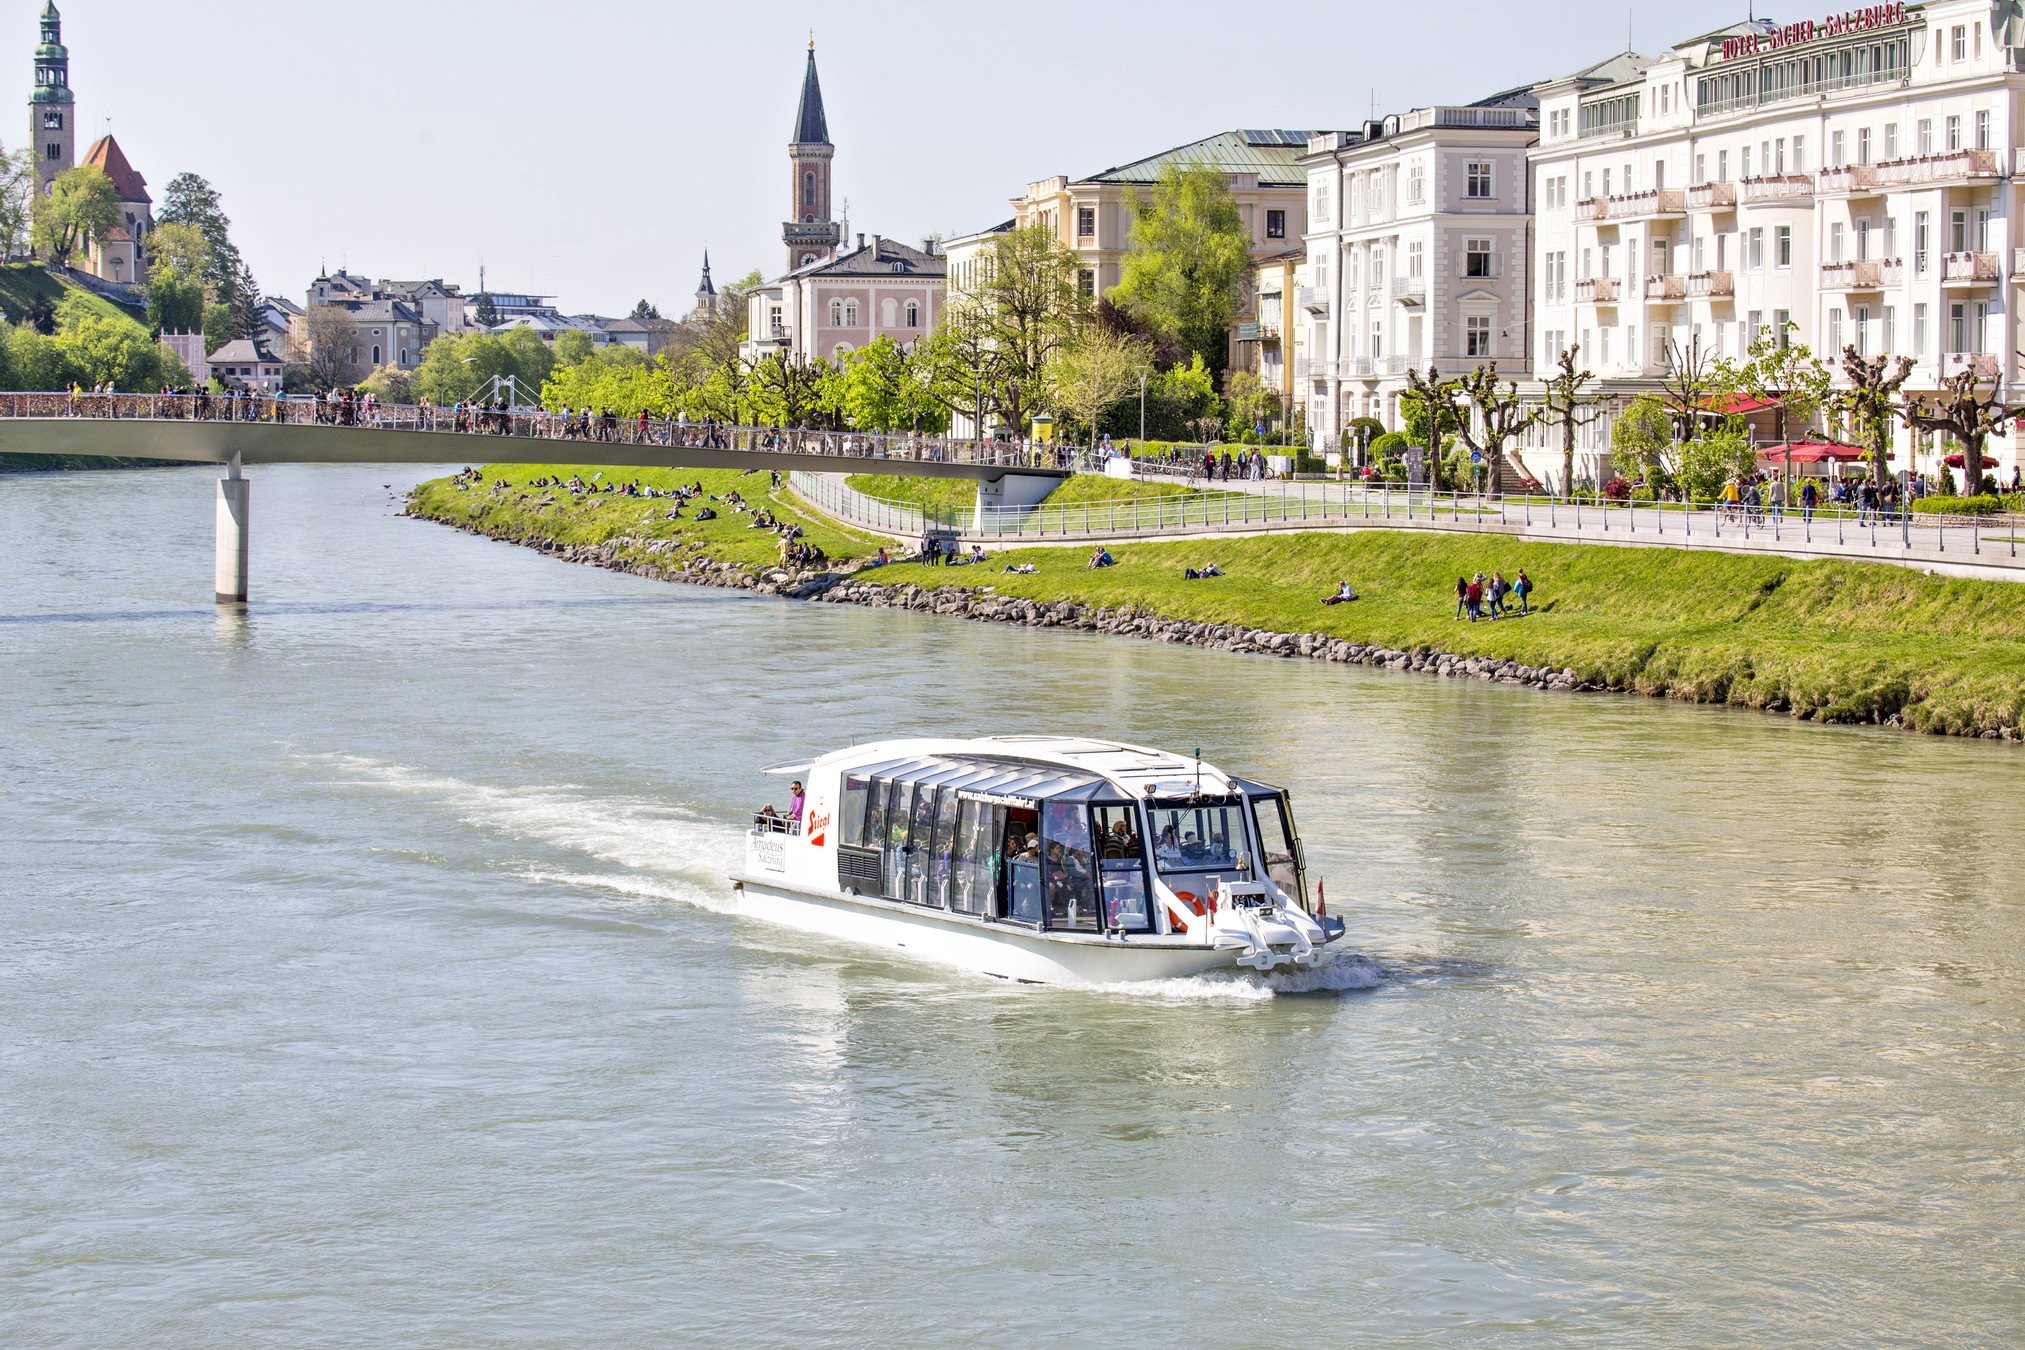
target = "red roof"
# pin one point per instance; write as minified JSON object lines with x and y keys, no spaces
{"x":1811,"y":452}
{"x":107,"y":155}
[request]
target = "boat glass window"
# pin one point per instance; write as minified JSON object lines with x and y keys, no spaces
{"x":851,"y":820}
{"x":1023,"y":865}
{"x":943,"y":856}
{"x":1279,"y":846}
{"x":899,"y":811}
{"x":1068,"y":866}
{"x":875,"y":816}
{"x":920,"y":846}
{"x":1198,"y":836}
{"x":1121,"y":867}
{"x":980,"y":831}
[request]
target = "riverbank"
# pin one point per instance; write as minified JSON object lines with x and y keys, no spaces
{"x":1826,"y":641}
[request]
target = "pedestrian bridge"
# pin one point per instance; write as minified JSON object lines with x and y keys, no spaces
{"x":263,"y":429}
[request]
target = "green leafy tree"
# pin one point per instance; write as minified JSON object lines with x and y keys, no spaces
{"x":643,"y":310}
{"x":876,"y":386}
{"x":178,"y":256}
{"x":191,"y":200}
{"x":388,"y":384}
{"x":573,"y":348}
{"x":486,"y":313}
{"x":41,"y":361}
{"x":1643,"y":436}
{"x":42,"y":315}
{"x":17,"y":194}
{"x":1096,"y":371}
{"x":1782,"y":372}
{"x":116,"y":349}
{"x":952,"y":364}
{"x":82,"y":205}
{"x":1249,"y":404}
{"x":1703,"y":465}
{"x":220,"y":325}
{"x":1188,"y":257}
{"x":1029,"y":309}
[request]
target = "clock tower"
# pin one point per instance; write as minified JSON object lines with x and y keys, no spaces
{"x":810,"y":231}
{"x":51,"y":131}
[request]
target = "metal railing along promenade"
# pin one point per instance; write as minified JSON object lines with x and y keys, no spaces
{"x":531,"y":424}
{"x":1241,"y":506}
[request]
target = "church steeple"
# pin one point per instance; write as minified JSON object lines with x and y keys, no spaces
{"x":809,"y":232}
{"x":706,"y":291}
{"x":50,"y":131}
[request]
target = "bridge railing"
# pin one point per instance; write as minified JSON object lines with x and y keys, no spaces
{"x":535,"y":424}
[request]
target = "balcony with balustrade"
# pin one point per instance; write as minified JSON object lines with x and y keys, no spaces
{"x":1410,"y":290}
{"x":1851,"y":180}
{"x":1596,"y":291}
{"x":1983,"y":365}
{"x":1954,"y":168}
{"x":1970,"y":269}
{"x":1778,"y":189}
{"x":1864,"y":274}
{"x":1712,"y":197}
{"x":1314,"y":299}
{"x":1665,"y":290}
{"x":1712,"y":285}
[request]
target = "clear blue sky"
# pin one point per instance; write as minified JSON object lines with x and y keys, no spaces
{"x":592,"y":148}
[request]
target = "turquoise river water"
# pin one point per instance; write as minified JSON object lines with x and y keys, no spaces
{"x":366,"y":976}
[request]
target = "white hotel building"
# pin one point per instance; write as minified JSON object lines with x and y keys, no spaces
{"x":1858,"y":176}
{"x":1417,"y":255}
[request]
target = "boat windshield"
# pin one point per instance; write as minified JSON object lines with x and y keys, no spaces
{"x":1198,"y":836}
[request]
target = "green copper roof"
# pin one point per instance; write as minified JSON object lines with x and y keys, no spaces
{"x":1273,"y":155}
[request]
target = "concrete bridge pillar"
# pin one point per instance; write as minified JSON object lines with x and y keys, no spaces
{"x":233,"y":497}
{"x":1016,"y":491}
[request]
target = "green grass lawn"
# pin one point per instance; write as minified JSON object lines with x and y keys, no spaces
{"x":1834,"y":640}
{"x":528,"y":513}
{"x":1828,"y":639}
{"x":22,"y":283}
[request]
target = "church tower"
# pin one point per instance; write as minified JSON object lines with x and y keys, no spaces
{"x":810,"y":231}
{"x":706,"y":292}
{"x":50,"y":114}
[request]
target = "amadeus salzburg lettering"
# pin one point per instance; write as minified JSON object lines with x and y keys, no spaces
{"x":1835,"y":25}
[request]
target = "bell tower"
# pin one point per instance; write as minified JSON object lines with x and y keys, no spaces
{"x":809,"y":232}
{"x":51,"y":118}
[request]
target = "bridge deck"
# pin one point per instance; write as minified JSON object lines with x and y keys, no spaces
{"x":292,"y":431}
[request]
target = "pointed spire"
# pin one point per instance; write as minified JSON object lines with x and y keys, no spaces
{"x":705,"y":287}
{"x":811,"y":127}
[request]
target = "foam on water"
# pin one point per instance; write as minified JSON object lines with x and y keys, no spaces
{"x":1337,"y":974}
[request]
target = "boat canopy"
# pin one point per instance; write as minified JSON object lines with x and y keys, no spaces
{"x":993,"y":778}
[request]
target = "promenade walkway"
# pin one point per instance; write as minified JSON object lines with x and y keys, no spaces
{"x":1958,"y":545}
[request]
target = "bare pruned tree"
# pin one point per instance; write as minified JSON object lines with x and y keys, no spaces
{"x":1565,"y":405}
{"x":1690,"y":377}
{"x":1438,"y":397}
{"x":1963,"y":411}
{"x":1872,"y":402}
{"x":1499,"y":419}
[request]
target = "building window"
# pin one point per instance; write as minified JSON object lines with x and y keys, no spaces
{"x":1782,"y":324}
{"x":1756,"y":252}
{"x":836,"y":314}
{"x":1889,"y":335}
{"x":1835,"y":330}
{"x":1835,"y":149}
{"x":850,"y":314}
{"x":1416,"y":185}
{"x":1863,"y":330}
{"x":913,"y":313}
{"x":1922,"y":240}
{"x":1477,"y":335}
{"x":1086,"y":283}
{"x":1478,"y":186}
{"x":376,"y":353}
{"x":1415,"y":256}
{"x":1086,"y":222}
{"x":1960,"y":38}
{"x":52,"y":121}
{"x":808,"y":189}
{"x":1276,"y":224}
{"x":1477,"y":258}
{"x":1919,"y":334}
{"x":1954,"y":131}
{"x":1783,"y":247}
{"x":1983,"y":130}
{"x":52,"y":151}
{"x":1890,"y":140}
{"x":1926,"y":136}
{"x":1863,"y":145}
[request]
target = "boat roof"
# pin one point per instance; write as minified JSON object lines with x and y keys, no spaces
{"x":1054,"y":767}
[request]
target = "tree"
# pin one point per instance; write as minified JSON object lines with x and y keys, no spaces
{"x":115,"y":349}
{"x":1644,"y":436}
{"x":1689,"y":376}
{"x":191,"y":200}
{"x":643,"y":310}
{"x":1564,"y":407}
{"x":876,"y":391}
{"x":1249,"y":404}
{"x":42,"y":315}
{"x":1429,"y":406}
{"x":1963,"y":411}
{"x":951,"y":364}
{"x":789,"y":390}
{"x":1029,"y":309}
{"x":1781,"y":372}
{"x":1188,"y":258}
{"x":82,"y":206}
{"x":1095,"y":371}
{"x":17,"y":194}
{"x":329,"y":355}
{"x":389,"y":384}
{"x":220,"y":325}
{"x":1499,"y":419}
{"x":573,"y":348}
{"x":487,"y":315}
{"x":246,"y":305}
{"x":1872,"y":404}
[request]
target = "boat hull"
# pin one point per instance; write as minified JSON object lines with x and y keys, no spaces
{"x":1004,"y":951}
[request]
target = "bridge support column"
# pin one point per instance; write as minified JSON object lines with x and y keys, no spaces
{"x":1013,"y":491}
{"x":233,"y":497}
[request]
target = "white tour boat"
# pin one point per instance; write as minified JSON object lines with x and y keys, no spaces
{"x":1039,"y":859}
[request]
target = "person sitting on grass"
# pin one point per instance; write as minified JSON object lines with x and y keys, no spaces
{"x":1343,"y":594}
{"x":1101,"y":558}
{"x":1023,"y":569}
{"x":1198,"y":573}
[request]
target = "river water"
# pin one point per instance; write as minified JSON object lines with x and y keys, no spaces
{"x":366,"y":975}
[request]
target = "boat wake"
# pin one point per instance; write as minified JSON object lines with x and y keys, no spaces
{"x":1337,"y":974}
{"x":667,"y":853}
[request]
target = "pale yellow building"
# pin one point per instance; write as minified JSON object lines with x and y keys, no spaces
{"x":1274,"y":341}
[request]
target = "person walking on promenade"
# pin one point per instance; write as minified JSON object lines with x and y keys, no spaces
{"x":1809,"y":496}
{"x":1522,"y":587}
{"x":1497,"y":593}
{"x":1462,"y":592}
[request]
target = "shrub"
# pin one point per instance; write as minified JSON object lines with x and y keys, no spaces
{"x":1959,"y":506}
{"x":1618,"y":489}
{"x":1389,"y":446}
{"x":1643,"y":493}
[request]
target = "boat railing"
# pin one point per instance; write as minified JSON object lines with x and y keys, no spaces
{"x":770,"y":821}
